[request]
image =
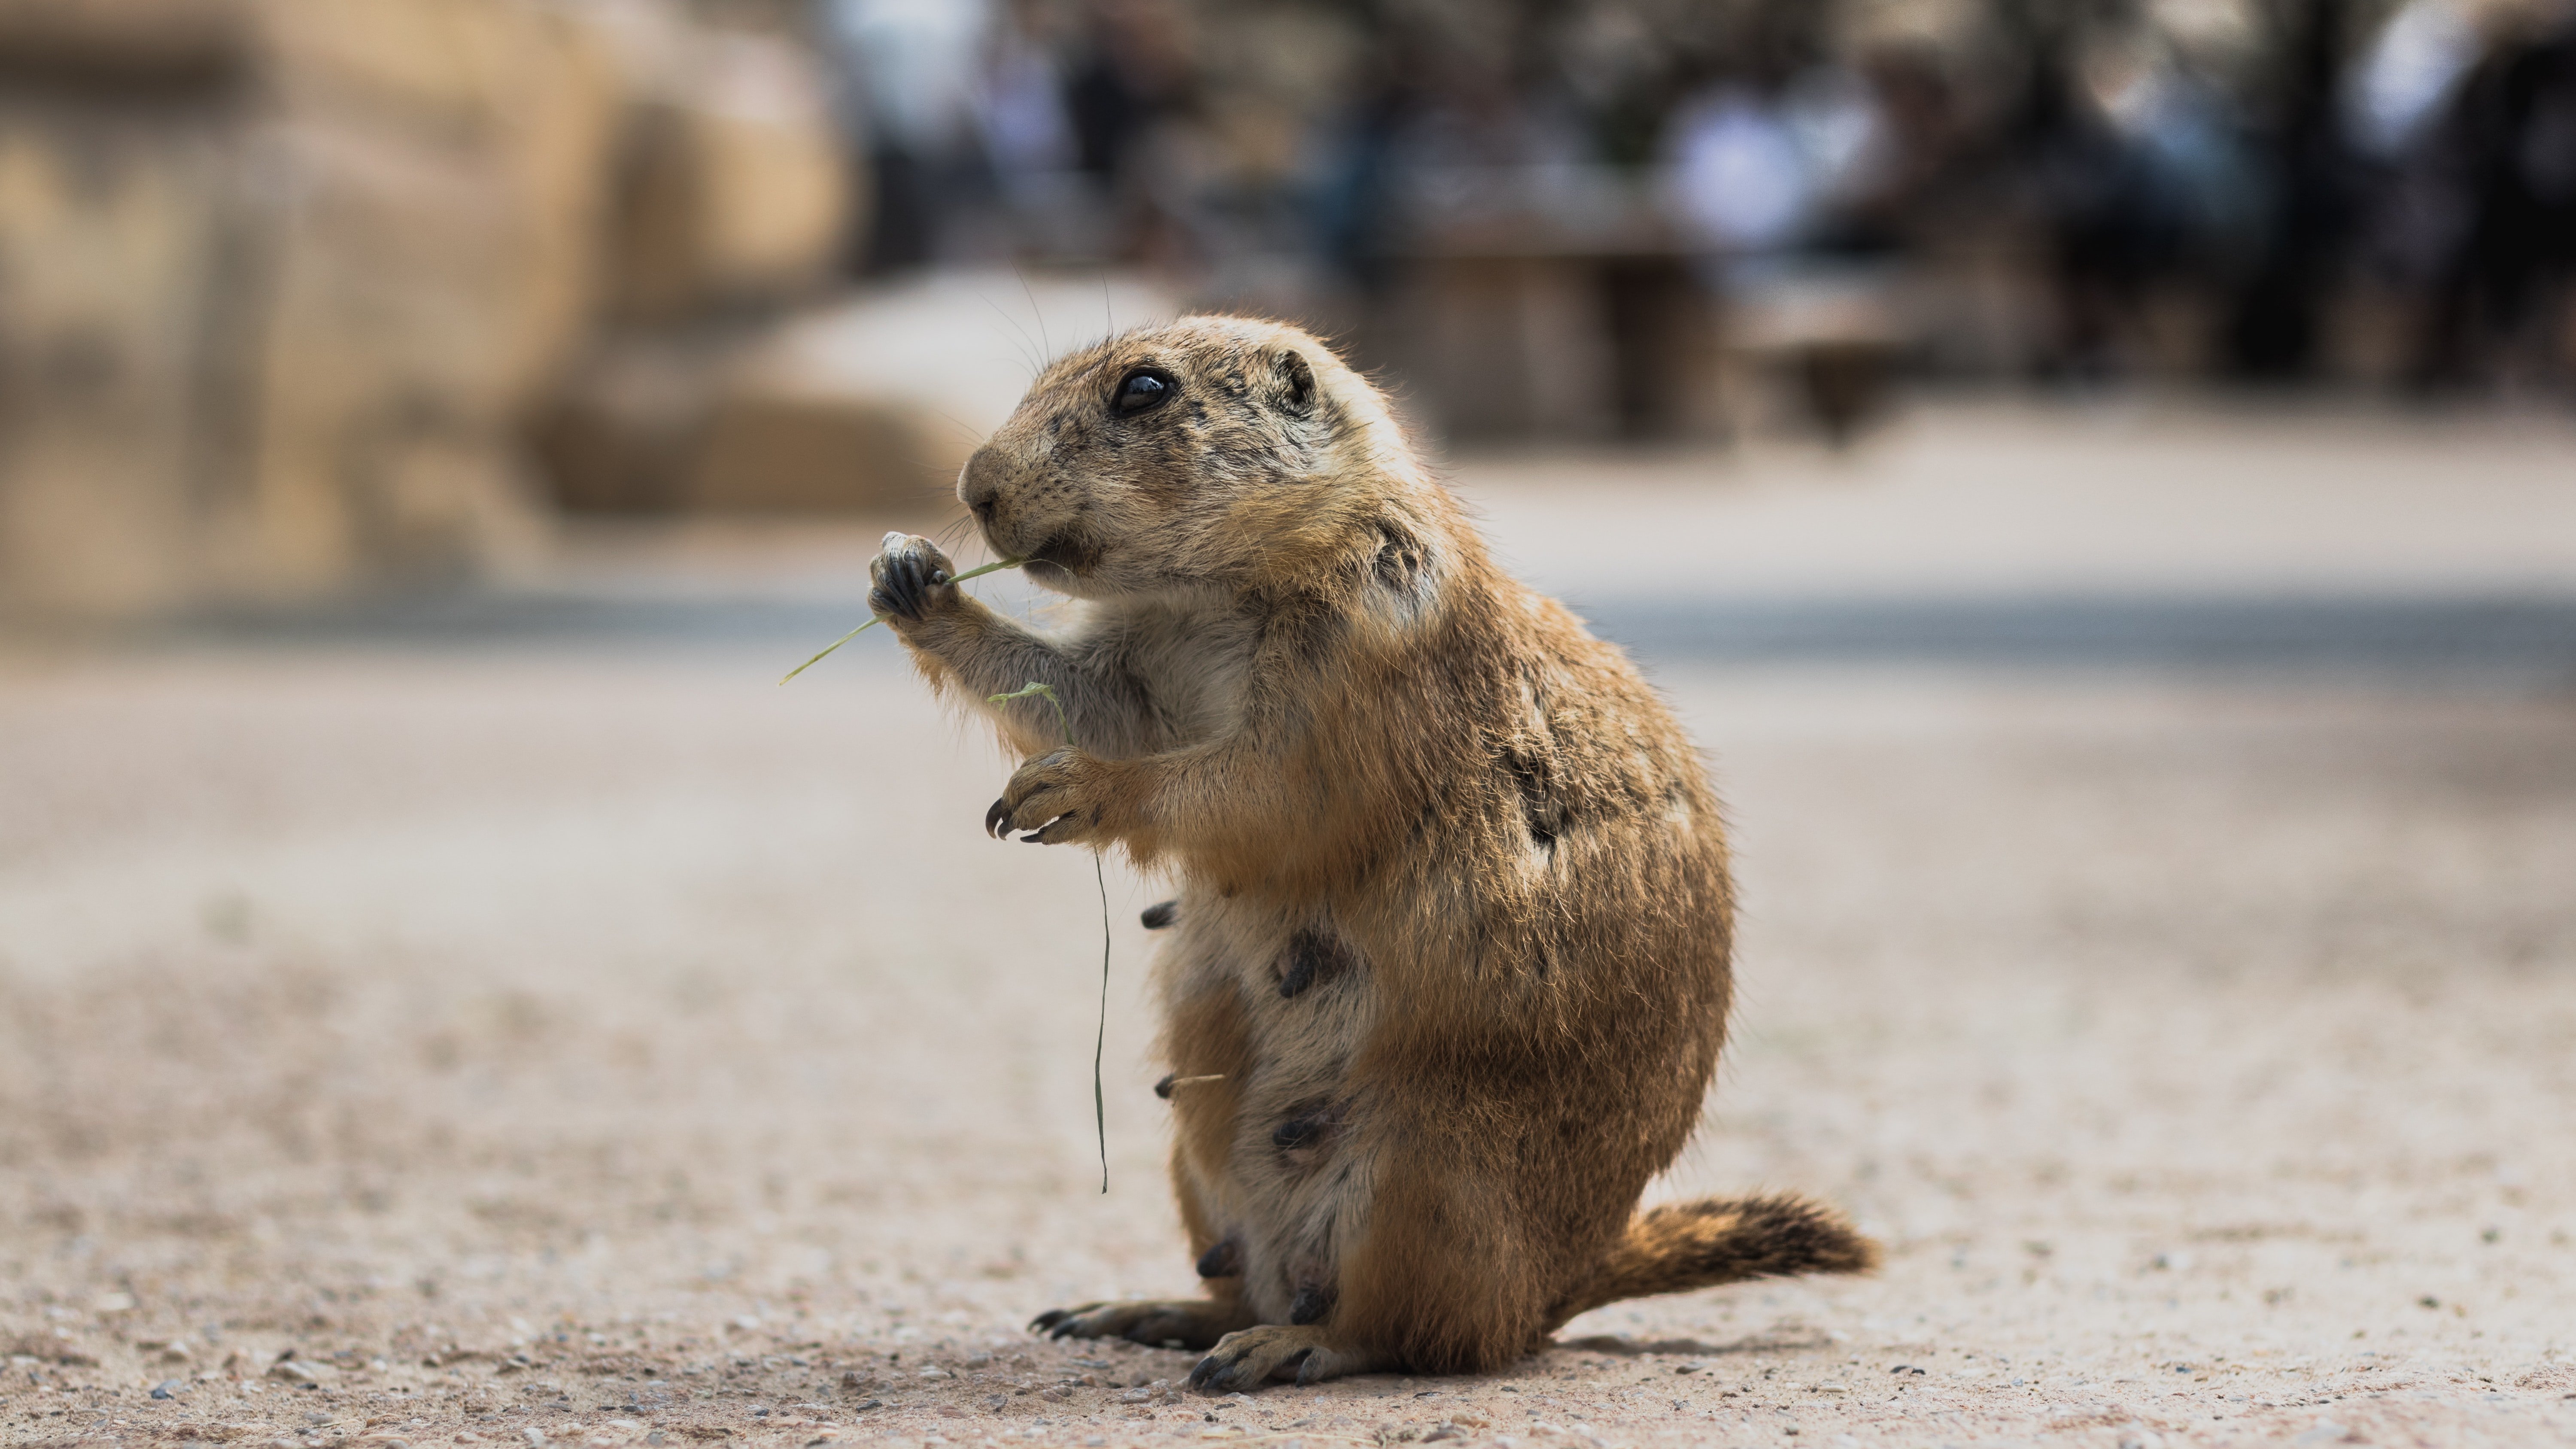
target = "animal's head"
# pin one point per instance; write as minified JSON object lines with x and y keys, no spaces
{"x":1213,"y":452}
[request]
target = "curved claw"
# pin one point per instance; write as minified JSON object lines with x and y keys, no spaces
{"x":994,"y":818}
{"x":1049,"y":1319}
{"x":1307,"y":1363}
{"x":1207,"y":1369}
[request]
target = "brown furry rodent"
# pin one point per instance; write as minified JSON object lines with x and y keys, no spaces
{"x":1449,"y":974}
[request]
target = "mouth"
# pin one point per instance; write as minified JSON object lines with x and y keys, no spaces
{"x":1060,"y":560}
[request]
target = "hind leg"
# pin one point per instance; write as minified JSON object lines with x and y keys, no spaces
{"x":1437,"y":1268}
{"x":1193,"y":1323}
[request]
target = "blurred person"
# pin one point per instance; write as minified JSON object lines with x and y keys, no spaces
{"x":1739,"y":175}
{"x":1020,"y":105}
{"x":2407,"y":75}
{"x":1907,"y":170}
{"x":1131,"y":99}
{"x":1052,"y":206}
{"x":910,"y":78}
{"x":1765,"y":183}
{"x":1486,"y":132}
{"x":2310,"y":193}
{"x":2486,"y":209}
{"x":2112,"y":221}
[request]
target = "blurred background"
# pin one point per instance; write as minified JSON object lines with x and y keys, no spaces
{"x":2098,"y":475}
{"x":301,"y":297}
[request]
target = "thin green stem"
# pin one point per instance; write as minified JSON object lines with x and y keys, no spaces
{"x":1100,"y":1033}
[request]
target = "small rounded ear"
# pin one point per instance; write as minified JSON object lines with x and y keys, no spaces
{"x":1296,"y":380}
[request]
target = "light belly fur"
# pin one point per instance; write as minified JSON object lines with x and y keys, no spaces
{"x":1294,"y":1214}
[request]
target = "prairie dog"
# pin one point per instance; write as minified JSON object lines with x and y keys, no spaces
{"x":1448,"y":969}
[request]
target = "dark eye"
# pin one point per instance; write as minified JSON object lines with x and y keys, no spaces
{"x":1144,"y":388}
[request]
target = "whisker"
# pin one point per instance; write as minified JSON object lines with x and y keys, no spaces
{"x":1034,"y":310}
{"x":1026,"y":341}
{"x":973,"y":435}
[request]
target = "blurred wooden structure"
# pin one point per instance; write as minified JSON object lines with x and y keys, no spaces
{"x":1566,"y":303}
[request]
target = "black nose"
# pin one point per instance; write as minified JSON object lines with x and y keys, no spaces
{"x":980,"y":484}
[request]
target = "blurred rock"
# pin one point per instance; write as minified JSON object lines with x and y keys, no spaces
{"x":111,"y":232}
{"x":281,"y":280}
{"x":160,"y":44}
{"x":733,"y":183}
{"x":428,"y":192}
{"x":871,"y":404}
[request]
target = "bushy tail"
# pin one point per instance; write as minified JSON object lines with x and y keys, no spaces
{"x":1701,"y":1244}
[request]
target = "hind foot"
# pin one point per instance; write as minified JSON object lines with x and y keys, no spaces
{"x":1245,"y":1361}
{"x":1195,"y":1323}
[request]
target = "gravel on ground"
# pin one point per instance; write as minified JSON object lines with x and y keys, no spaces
{"x":514,"y":1047}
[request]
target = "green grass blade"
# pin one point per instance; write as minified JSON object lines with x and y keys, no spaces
{"x":828,"y":648}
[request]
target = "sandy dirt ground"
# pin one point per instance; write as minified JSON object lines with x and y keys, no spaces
{"x":544,"y":1043}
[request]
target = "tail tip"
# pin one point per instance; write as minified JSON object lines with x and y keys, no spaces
{"x":1781,"y":1235}
{"x":1819,"y":1234}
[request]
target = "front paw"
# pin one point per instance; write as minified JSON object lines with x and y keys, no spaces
{"x":1187,"y":1323}
{"x":910,"y":579}
{"x":1061,"y":797}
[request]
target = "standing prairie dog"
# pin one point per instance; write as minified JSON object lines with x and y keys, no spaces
{"x":1449,"y":964}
